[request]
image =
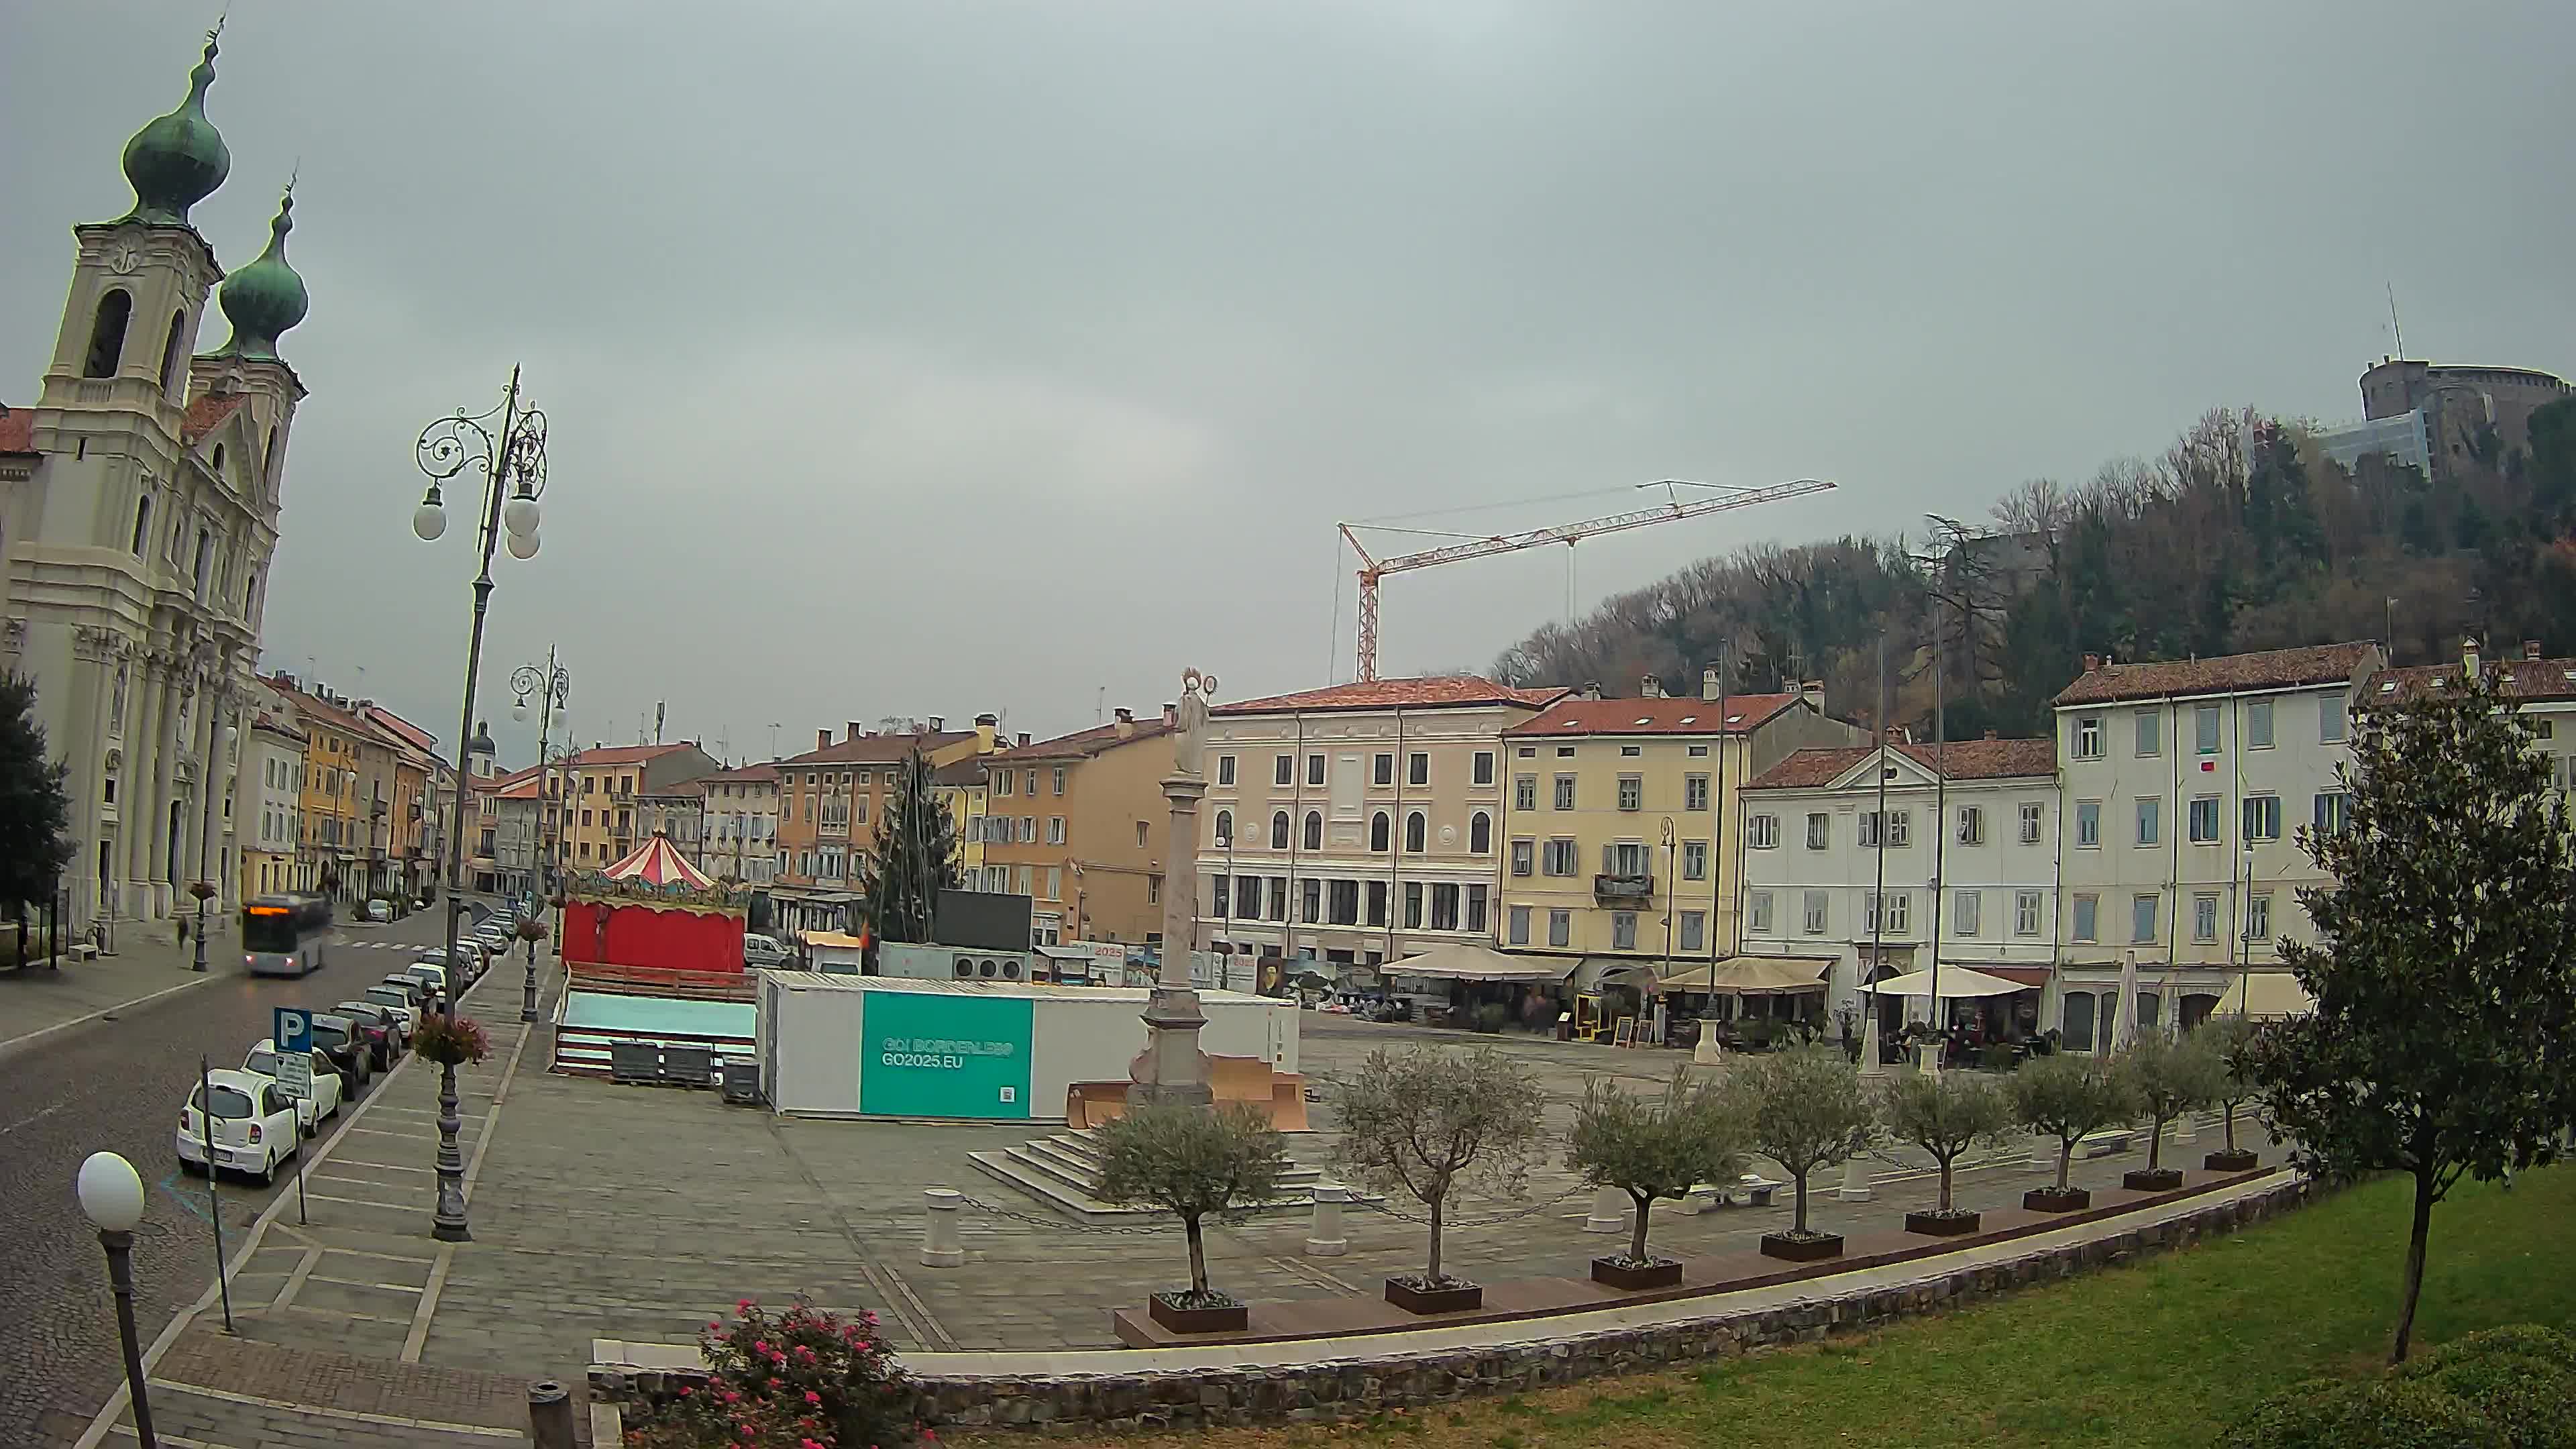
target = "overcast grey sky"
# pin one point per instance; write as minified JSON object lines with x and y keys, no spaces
{"x":933,"y":358}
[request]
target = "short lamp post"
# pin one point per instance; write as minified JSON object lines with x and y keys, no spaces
{"x":204,"y":891}
{"x":511,"y":455}
{"x":111,"y":1197}
{"x":531,"y":930}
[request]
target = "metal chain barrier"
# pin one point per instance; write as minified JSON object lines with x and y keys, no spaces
{"x":1067,"y":1225}
{"x":1379,"y":1206}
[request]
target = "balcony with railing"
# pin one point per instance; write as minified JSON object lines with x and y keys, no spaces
{"x":1623,"y":888}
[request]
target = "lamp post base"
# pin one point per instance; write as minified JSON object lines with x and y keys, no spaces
{"x":120,"y":1280}
{"x":449,"y":1225}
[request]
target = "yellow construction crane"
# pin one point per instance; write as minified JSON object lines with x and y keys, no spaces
{"x":1472,"y":545}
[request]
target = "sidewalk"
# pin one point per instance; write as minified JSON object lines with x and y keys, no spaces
{"x":37,"y":1000}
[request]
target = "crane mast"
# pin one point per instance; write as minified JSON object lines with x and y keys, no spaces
{"x":1372,"y":568}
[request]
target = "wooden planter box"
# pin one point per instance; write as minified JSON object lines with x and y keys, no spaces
{"x":1225,"y":1318}
{"x":2151,"y":1179}
{"x":1619,"y":1273}
{"x":2239,"y":1160}
{"x":2050,"y":1200}
{"x":1942,"y":1225}
{"x":1802,"y":1250}
{"x":1456,"y":1298}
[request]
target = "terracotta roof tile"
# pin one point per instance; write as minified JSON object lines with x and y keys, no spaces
{"x":748,"y":774}
{"x":2228,"y":673}
{"x":1429,"y":692}
{"x":207,"y":413}
{"x":1571,"y":716}
{"x":1960,"y":760}
{"x":1083,"y":744}
{"x":2530,"y":679}
{"x":962,"y":774}
{"x":878,"y":749}
{"x":17,"y":430}
{"x":622,"y":754}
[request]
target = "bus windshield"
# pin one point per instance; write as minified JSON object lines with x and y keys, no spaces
{"x":269,"y":929}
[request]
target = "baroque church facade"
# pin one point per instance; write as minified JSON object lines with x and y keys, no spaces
{"x":139,"y":505}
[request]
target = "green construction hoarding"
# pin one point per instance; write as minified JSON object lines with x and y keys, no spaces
{"x":933,"y":1054}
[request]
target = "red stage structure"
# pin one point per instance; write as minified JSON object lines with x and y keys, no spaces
{"x":653,"y":912}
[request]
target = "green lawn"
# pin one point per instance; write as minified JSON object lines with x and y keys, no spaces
{"x":2157,"y":1353}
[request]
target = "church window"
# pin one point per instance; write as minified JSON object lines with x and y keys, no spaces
{"x":205,"y":559}
{"x":170,"y":351}
{"x":142,"y":522}
{"x":107,"y":333}
{"x":218,"y":463}
{"x":268,"y":456}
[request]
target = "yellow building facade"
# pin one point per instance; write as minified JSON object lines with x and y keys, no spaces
{"x":1619,"y":839}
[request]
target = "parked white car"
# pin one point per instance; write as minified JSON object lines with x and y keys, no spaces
{"x":253,"y":1126}
{"x":758,"y":951}
{"x":313,"y":1111}
{"x":380,"y":910}
{"x":396,"y":999}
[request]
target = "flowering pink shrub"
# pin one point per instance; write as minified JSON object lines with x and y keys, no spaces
{"x":797,"y":1379}
{"x":450,"y":1040}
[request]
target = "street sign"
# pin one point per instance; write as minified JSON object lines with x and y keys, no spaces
{"x":291,"y":1030}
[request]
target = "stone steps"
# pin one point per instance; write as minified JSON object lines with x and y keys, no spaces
{"x":1063,"y":1172}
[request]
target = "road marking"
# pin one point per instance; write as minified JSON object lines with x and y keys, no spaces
{"x":381,"y":1166}
{"x":181,"y":1440}
{"x":295,"y":1281}
{"x":353,"y":1416}
{"x":427,"y":1307}
{"x":32,"y":1121}
{"x":9,"y":1046}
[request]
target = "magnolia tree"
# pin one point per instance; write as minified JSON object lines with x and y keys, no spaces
{"x":1429,"y":1123}
{"x":1946,"y":1114}
{"x":1808,"y":1111}
{"x":1195,"y":1164}
{"x":1651,"y":1148}
{"x":2068,"y":1096}
{"x":2443,"y":1041}
{"x":2167,"y":1078}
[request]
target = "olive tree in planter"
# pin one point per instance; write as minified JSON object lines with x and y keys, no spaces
{"x":1807,"y":1111}
{"x":1428,"y":1123}
{"x":2067,"y":1096}
{"x":2227,"y":1038}
{"x":1946,"y":1114}
{"x":2166,"y":1079}
{"x":1652,"y":1149}
{"x":1194,"y":1163}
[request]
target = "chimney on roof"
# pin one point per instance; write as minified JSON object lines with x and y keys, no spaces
{"x":2092,"y":662}
{"x":1813,"y":692}
{"x":2531,"y":649}
{"x":1171,"y":715}
{"x":822,"y":739}
{"x":1592,"y":689}
{"x":1649,"y":687}
{"x":1125,"y":724}
{"x":1022,"y":738}
{"x":988,"y":729}
{"x":855,"y":732}
{"x":939,"y":724}
{"x":2469,"y":657}
{"x":1712,"y":685}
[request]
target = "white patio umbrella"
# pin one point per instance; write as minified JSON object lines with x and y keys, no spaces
{"x":2124,"y":1021}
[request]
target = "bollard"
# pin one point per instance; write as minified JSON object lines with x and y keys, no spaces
{"x":2185,"y":1129}
{"x":1325,"y":1239}
{"x":1609,"y":1212}
{"x":1855,"y":1186}
{"x":940,"y":1245}
{"x":550,"y":1415}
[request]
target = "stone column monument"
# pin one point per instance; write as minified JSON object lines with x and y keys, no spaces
{"x":1172,"y":1068}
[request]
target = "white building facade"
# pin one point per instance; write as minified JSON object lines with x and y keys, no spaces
{"x":139,"y":502}
{"x":1961,"y":864}
{"x":2184,"y":785}
{"x":740,"y":830}
{"x":1291,"y":854}
{"x":268,"y":807}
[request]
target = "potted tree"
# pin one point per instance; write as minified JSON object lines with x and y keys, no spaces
{"x":2227,"y":1038}
{"x":1808,"y":1112}
{"x":1946,"y":1114}
{"x":2166,"y":1079}
{"x":1650,"y":1150}
{"x":1194,"y":1163}
{"x":1428,"y":1123}
{"x":2066,"y":1096}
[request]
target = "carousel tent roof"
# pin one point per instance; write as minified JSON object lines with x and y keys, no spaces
{"x":1956,"y":982}
{"x":1465,"y":962}
{"x":657,"y":863}
{"x":1738,"y":974}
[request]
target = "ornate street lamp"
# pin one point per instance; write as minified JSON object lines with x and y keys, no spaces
{"x":508,"y":446}
{"x":111,"y":1197}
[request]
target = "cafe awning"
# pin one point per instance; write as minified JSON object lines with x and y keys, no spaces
{"x":2267,"y":994}
{"x":1956,"y":982}
{"x":1464,"y":962}
{"x":1738,"y":975}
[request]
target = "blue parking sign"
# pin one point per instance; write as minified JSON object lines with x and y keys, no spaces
{"x":292,"y":1030}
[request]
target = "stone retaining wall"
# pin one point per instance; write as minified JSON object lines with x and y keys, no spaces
{"x":1348,"y":1387}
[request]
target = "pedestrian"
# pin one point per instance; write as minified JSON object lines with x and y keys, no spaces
{"x":183,"y":929}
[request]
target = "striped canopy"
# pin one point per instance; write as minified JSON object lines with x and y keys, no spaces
{"x":656,"y":863}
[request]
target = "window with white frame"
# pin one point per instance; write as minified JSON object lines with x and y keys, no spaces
{"x":1972,"y":825}
{"x":1623,"y":930}
{"x":2142,"y":919}
{"x":1820,"y":830}
{"x":2334,"y":811}
{"x":1757,"y":910}
{"x":1517,"y":927}
{"x":1694,"y":792}
{"x":1967,"y":910}
{"x":1483,"y":772}
{"x":1524,"y":856}
{"x":2258,"y":916}
{"x":1694,"y":860}
{"x":1417,"y":768}
{"x":1694,"y":931}
{"x":1559,"y":857}
{"x":1560,"y":927}
{"x":2151,"y":733}
{"x":1565,"y":792}
{"x":1225,"y":769}
{"x":2331,"y":724}
{"x":1762,"y":832}
{"x":2086,"y":743}
{"x":1382,"y":768}
{"x":1816,"y":912}
{"x":2204,"y":820}
{"x":1283,"y":771}
{"x":1314,"y":769}
{"x":2204,"y":917}
{"x":2088,"y":918}
{"x":2262,"y":817}
{"x":2258,"y":724}
{"x":2026,"y":905}
{"x":1525,"y":792}
{"x":2088,"y":823}
{"x":1895,"y":907}
{"x":1055,"y":830}
{"x":2204,"y":729}
{"x":1632,"y":792}
{"x":2151,"y":819}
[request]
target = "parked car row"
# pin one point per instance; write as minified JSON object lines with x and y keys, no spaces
{"x":244,"y":1121}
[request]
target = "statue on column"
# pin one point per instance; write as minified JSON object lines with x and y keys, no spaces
{"x":1196,"y":690}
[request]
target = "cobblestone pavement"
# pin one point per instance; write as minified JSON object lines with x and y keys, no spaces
{"x":115,"y":1082}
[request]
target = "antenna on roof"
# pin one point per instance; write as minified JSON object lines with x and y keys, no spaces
{"x":659,"y":706}
{"x":2394,"y":325}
